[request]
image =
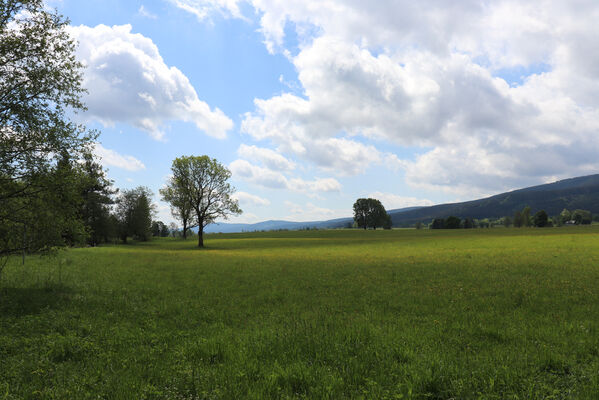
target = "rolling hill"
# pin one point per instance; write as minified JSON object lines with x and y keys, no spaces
{"x":573,"y":193}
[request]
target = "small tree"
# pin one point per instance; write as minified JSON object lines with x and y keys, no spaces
{"x":388,"y":224}
{"x":206,"y":189}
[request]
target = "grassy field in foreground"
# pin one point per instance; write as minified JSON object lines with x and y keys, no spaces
{"x":489,"y":314}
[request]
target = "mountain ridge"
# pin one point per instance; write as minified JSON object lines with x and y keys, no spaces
{"x":571,"y":193}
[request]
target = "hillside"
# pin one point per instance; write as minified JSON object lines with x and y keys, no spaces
{"x":573,"y":193}
{"x":581,"y":192}
{"x":272,"y":225}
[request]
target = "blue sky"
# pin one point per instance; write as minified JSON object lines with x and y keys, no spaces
{"x":314,"y":104}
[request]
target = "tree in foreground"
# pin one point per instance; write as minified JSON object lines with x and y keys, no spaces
{"x":200,"y":182}
{"x":369,"y":213}
{"x":40,"y":86}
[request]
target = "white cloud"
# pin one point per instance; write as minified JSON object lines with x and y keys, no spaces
{"x":203,"y":8}
{"x":311,"y":212}
{"x":269,"y":158}
{"x":436,"y":76}
{"x":250,"y":199}
{"x":110,"y":158}
{"x":392,"y":201}
{"x":242,"y":169}
{"x":128,"y":81}
{"x":145,"y":13}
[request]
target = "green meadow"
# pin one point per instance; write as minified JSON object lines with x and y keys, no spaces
{"x":401,"y":314}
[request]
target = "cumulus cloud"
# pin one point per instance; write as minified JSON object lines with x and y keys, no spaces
{"x":496,"y":95}
{"x":268,"y":157}
{"x":268,"y":178}
{"x":129,"y":82}
{"x":110,"y":158}
{"x":250,"y":199}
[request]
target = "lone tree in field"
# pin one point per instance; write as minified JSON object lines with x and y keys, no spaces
{"x":369,"y":213}
{"x":201,"y":181}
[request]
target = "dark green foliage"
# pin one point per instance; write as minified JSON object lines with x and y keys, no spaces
{"x":582,"y":217}
{"x":438,"y":223}
{"x":388,"y":224}
{"x":452,"y":222}
{"x":134,"y":214}
{"x":468,"y":223}
{"x":370,"y":213}
{"x":40,"y":86}
{"x":541,"y":219}
{"x":518,"y":219}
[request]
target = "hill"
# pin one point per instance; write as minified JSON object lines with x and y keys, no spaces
{"x":273,"y":225}
{"x":574,"y":193}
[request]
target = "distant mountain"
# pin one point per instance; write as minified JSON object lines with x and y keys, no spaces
{"x":574,"y":193}
{"x":289,"y":225}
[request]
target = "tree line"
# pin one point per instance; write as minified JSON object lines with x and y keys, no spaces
{"x":521,"y":218}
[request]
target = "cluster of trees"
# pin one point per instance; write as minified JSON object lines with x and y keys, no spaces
{"x":370,"y":213}
{"x":53,"y":192}
{"x":522,"y":218}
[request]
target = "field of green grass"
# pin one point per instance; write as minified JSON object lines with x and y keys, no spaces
{"x":468,"y":314}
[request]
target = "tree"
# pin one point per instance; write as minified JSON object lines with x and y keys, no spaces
{"x":468,"y":223}
{"x":438,"y":223}
{"x":369,"y":213}
{"x":526,"y":216}
{"x":202,"y":181}
{"x":134,"y":213}
{"x":517,"y":219}
{"x":452,"y":222}
{"x":40,"y":86}
{"x":582,"y":217}
{"x":507,"y":221}
{"x":565,"y":216}
{"x":541,"y":219}
{"x":388,"y":224}
{"x":176,"y":193}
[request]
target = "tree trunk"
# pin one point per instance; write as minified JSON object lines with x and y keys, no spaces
{"x":200,"y":236}
{"x":184,"y":229}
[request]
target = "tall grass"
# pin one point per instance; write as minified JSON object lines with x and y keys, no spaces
{"x":489,"y":314}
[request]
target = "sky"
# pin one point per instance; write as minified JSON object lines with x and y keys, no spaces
{"x":312,"y":104}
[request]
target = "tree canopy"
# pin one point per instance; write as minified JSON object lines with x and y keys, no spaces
{"x":370,"y":213}
{"x":199,"y":184}
{"x":40,"y":86}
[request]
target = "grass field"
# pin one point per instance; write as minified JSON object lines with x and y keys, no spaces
{"x":470,"y":314}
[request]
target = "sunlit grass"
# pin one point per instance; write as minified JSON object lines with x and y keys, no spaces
{"x":496,"y":313}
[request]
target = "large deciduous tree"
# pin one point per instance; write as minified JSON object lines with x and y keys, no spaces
{"x":176,"y":193}
{"x":40,"y":85}
{"x":200,"y":182}
{"x":369,"y":213}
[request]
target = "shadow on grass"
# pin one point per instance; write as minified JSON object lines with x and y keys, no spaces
{"x":18,"y":302}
